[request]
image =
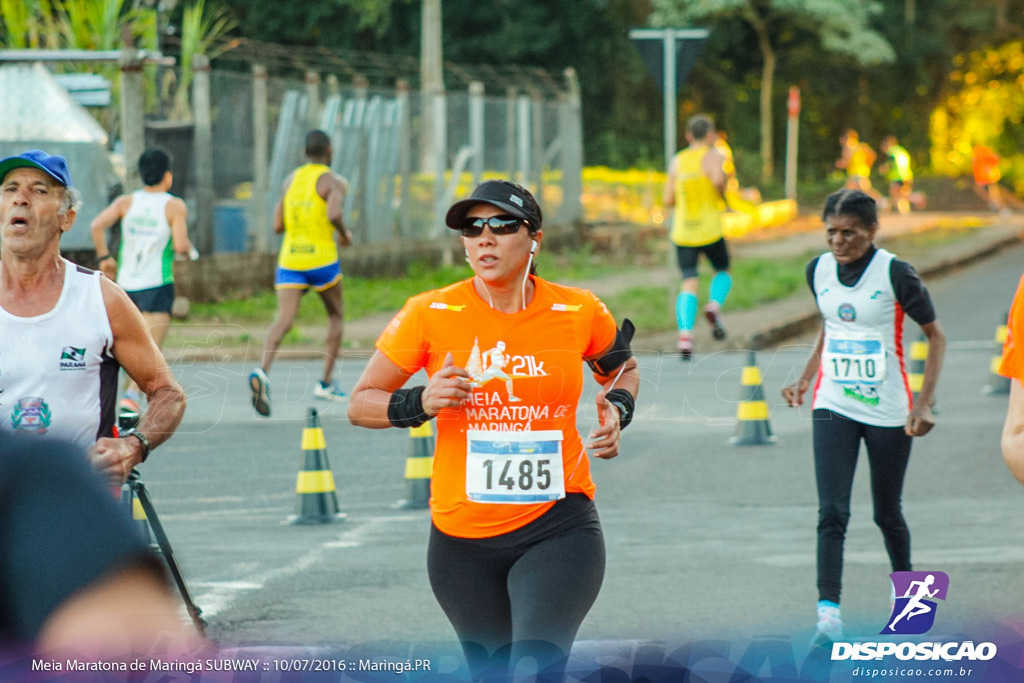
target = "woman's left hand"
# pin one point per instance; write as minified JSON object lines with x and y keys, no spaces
{"x":920,"y":421}
{"x":604,"y":440}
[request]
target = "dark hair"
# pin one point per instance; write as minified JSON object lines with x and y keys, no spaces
{"x":851,"y":202}
{"x":699,"y":125}
{"x":153,"y":164}
{"x":317,"y":143}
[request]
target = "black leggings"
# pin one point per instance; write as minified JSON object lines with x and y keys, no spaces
{"x":836,"y":445}
{"x":527,"y":599}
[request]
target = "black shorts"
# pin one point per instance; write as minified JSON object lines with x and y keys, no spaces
{"x":155,"y":299}
{"x":716,"y":252}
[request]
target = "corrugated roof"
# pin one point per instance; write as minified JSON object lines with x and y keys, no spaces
{"x":36,"y":107}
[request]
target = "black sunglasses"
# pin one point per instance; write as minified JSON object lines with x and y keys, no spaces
{"x":499,"y":225}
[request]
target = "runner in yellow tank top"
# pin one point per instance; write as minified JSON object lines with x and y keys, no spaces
{"x":695,"y":190}
{"x":309,"y":234}
{"x":310,"y":214}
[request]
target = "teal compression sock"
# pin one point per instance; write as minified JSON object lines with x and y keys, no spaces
{"x":721,"y":283}
{"x":686,"y":311}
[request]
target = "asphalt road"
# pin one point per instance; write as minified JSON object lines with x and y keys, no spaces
{"x":704,"y":539}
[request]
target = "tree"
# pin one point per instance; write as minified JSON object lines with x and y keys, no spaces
{"x":841,"y":27}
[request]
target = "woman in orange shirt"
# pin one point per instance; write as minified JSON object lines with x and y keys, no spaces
{"x":516,"y":554}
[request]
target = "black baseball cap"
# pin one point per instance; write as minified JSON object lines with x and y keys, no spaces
{"x":513,"y":199}
{"x":53,"y":165}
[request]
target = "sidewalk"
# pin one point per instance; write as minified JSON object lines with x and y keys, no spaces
{"x":752,"y":329}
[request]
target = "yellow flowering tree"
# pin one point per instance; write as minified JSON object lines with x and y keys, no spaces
{"x":985,"y":106}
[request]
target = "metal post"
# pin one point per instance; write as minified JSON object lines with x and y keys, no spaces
{"x":669,"y":57}
{"x":476,"y":130}
{"x":404,"y":155}
{"x":313,"y":99}
{"x":571,"y":134}
{"x":792,"y":137}
{"x":537,"y":143}
{"x":203,"y":152}
{"x":133,"y":127}
{"x":258,"y":206}
{"x":523,"y":139}
{"x":510,"y":131}
{"x":431,"y":75}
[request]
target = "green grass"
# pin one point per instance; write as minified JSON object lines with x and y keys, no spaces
{"x":755,"y":282}
{"x":367,"y":296}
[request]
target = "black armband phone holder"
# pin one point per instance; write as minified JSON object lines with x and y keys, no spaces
{"x":619,"y":353}
{"x":405,"y":409}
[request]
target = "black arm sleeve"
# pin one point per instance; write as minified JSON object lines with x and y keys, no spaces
{"x":809,"y":272}
{"x":911,"y":293}
{"x":60,"y":530}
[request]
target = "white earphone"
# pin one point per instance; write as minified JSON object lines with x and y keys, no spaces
{"x":533,"y":246}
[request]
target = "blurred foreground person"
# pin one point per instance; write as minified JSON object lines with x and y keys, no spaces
{"x":75,"y":577}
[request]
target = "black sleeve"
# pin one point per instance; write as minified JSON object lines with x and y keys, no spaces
{"x":911,"y":293}
{"x":809,"y":272}
{"x":60,"y":530}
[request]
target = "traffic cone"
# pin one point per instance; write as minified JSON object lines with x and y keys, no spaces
{"x":418,"y":467}
{"x":918,"y":354}
{"x":752,"y":427}
{"x":997,"y":384}
{"x":316,"y":501}
{"x":134,"y":506}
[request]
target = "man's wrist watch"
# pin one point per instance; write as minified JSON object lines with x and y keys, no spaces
{"x":143,"y":439}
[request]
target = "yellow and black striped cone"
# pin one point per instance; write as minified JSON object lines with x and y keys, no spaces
{"x":316,"y":500}
{"x":418,"y":467}
{"x":752,"y":426}
{"x":134,"y":506}
{"x":997,"y":384}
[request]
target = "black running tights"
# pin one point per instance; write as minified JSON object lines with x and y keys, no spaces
{"x":525,"y":600}
{"x":836,"y":446}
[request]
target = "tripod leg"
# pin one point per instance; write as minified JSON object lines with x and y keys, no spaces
{"x":165,"y":547}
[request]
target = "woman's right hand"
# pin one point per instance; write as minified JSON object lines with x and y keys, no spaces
{"x":448,"y":388}
{"x":794,"y":393}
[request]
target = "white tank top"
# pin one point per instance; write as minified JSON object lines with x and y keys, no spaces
{"x":57,"y":374}
{"x":862,"y":375}
{"x":146,"y":256}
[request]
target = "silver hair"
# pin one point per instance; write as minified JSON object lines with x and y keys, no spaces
{"x":70,"y":201}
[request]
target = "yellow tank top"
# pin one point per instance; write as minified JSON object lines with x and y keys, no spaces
{"x":308,"y":235}
{"x":697,"y":218}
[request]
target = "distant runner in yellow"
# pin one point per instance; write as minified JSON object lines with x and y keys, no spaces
{"x":695,"y":189}
{"x":310,"y":216}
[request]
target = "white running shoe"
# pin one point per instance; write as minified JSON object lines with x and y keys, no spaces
{"x":329,"y":392}
{"x":259,"y":384}
{"x":830,"y":624}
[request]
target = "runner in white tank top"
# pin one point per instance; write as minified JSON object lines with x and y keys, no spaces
{"x":146,"y":257}
{"x":64,"y":330}
{"x":57,"y":374}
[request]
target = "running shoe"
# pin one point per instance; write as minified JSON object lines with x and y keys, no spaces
{"x":259,"y":383}
{"x":830,"y":624}
{"x":329,"y":392}
{"x":713,"y":312}
{"x":685,"y":347}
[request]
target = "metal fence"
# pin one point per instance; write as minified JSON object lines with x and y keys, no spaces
{"x":406,"y":155}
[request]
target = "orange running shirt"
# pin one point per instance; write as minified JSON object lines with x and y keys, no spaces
{"x":985,"y":165}
{"x":539,"y":351}
{"x":1012,"y":363}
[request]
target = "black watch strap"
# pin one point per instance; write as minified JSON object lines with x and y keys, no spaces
{"x":143,"y":439}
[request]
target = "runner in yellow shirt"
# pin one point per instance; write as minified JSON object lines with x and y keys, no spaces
{"x":696,"y":188}
{"x":310,"y":216}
